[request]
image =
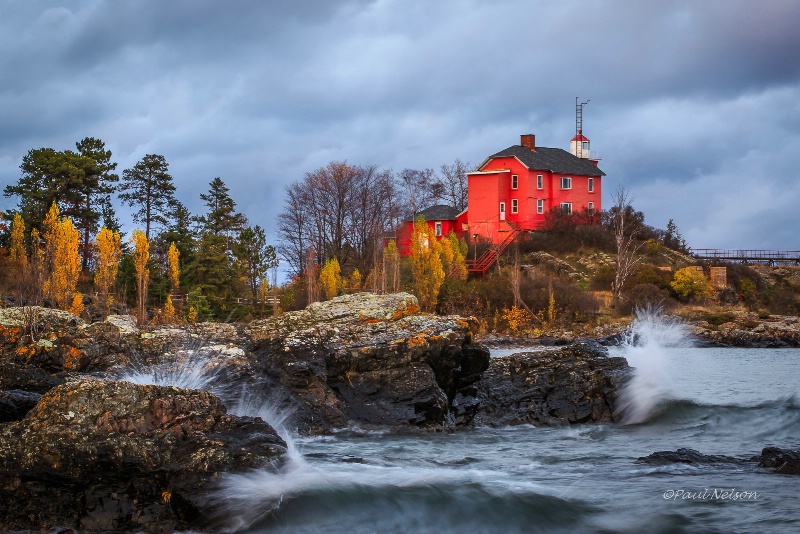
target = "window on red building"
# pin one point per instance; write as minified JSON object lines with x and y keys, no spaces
{"x":539,"y":181}
{"x":540,"y":206}
{"x":514,"y":205}
{"x":438,"y":229}
{"x":591,"y":185}
{"x":566,"y":182}
{"x":566,"y":207}
{"x":514,"y":181}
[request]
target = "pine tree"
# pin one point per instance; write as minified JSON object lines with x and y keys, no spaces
{"x":426,"y":265}
{"x":98,"y":184}
{"x":141,"y":255}
{"x":255,"y":257}
{"x":222,"y":219}
{"x":148,"y":187}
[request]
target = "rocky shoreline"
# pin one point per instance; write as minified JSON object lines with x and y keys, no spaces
{"x":83,"y":449}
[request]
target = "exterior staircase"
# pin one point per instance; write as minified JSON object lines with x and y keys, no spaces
{"x":485,"y":261}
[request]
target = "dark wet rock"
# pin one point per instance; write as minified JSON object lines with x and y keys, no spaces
{"x":688,"y":456}
{"x":102,"y":456}
{"x":783,"y":461}
{"x":15,"y":404}
{"x":574,"y":384}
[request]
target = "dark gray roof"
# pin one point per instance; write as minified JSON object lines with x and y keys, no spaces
{"x":440,"y":212}
{"x":555,"y":160}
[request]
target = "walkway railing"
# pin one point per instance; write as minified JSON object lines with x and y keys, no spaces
{"x":770,"y":257}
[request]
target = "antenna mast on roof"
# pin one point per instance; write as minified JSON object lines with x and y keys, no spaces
{"x":579,"y":124}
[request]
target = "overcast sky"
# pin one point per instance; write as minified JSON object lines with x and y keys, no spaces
{"x":694,"y":104}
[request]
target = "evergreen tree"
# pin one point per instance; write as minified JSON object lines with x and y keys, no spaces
{"x":97,"y":188}
{"x":211,"y":270}
{"x":180,"y":233}
{"x":148,"y":187}
{"x":222,"y":218}
{"x":50,"y":176}
{"x":255,"y":257}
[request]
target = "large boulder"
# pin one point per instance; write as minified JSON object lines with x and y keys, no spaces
{"x":371,"y":360}
{"x":574,"y":384}
{"x":102,"y":456}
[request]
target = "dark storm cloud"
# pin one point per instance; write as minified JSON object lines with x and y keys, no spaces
{"x":691,"y":102}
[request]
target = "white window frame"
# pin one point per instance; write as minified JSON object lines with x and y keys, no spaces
{"x":539,"y":181}
{"x":514,"y":205}
{"x":566,"y":207}
{"x":591,"y":184}
{"x":591,"y":208}
{"x":540,"y":205}
{"x":438,"y":228}
{"x":514,"y":181}
{"x":566,"y":181}
{"x":585,"y":145}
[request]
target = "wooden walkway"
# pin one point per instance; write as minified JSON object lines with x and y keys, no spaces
{"x":768,"y":257}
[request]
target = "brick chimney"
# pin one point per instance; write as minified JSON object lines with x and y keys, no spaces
{"x":528,"y":141}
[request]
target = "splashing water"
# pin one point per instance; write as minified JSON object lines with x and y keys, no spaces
{"x":646,"y":348}
{"x":252,"y":405}
{"x":185,"y":372}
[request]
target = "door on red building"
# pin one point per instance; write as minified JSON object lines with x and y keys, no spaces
{"x":502,"y":211}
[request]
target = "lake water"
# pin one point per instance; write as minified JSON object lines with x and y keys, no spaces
{"x":575,"y":479}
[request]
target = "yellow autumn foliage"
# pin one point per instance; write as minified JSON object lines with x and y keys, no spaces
{"x":141,"y":255}
{"x":109,"y":253}
{"x":426,"y":265}
{"x":331,"y":278}
{"x":62,"y":260}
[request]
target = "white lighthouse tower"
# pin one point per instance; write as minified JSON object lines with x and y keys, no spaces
{"x":580,"y":146}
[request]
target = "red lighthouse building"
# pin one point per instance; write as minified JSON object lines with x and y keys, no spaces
{"x":514,"y":188}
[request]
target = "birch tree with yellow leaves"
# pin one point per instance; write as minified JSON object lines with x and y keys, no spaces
{"x":109,"y":252}
{"x":61,"y":258}
{"x":426,"y":265}
{"x":173,"y":273}
{"x":141,"y":255}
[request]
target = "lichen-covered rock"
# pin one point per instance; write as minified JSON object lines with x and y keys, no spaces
{"x":745,"y":329}
{"x":102,"y":456}
{"x":574,"y":384}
